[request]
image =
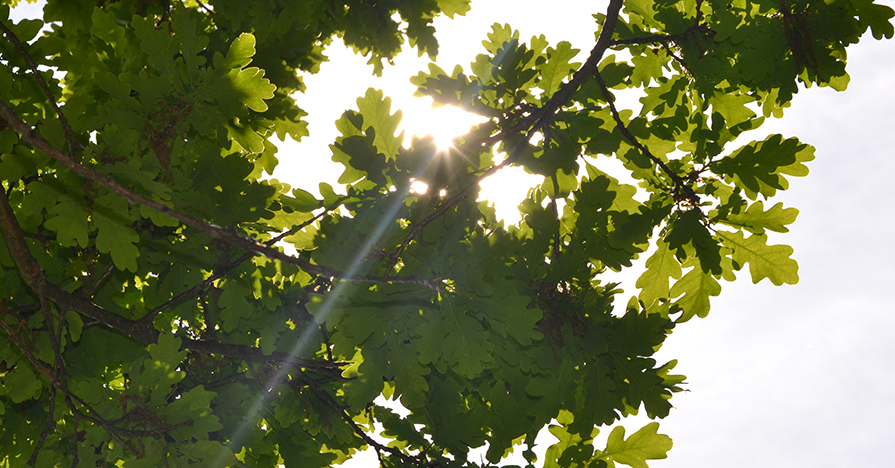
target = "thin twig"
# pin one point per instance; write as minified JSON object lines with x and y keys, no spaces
{"x":75,"y":439}
{"x":679,"y":60}
{"x":100,"y":280}
{"x":206,"y":8}
{"x":556,"y":235}
{"x":150,"y":317}
{"x":407,"y":459}
{"x":33,"y":275}
{"x":73,"y":142}
{"x":96,"y":418}
{"x":679,"y":182}
{"x":538,"y":119}
{"x":659,"y":38}
{"x":230,"y":235}
{"x":46,"y":430}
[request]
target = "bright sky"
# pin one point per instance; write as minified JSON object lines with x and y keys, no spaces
{"x":778,"y":376}
{"x":347,"y":76}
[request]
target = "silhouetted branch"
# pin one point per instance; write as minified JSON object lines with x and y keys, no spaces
{"x":48,"y":424}
{"x":537,"y":119}
{"x":74,"y":144}
{"x":679,"y":182}
{"x":33,"y":276}
{"x":150,"y":317}
{"x":229,"y":235}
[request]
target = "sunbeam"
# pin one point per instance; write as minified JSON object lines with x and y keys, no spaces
{"x":339,"y":288}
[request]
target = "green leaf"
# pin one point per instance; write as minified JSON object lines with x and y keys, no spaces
{"x":466,"y":346}
{"x":756,"y":220}
{"x":69,"y":220}
{"x":500,"y":34}
{"x":330,"y":197}
{"x":167,"y":350}
{"x":645,"y":444}
{"x":375,"y":109}
{"x":697,"y":287}
{"x":661,"y":266}
{"x":509,"y":313}
{"x":114,"y":236}
{"x":22,"y":384}
{"x":557,"y":67}
{"x":454,"y":7}
{"x":648,"y":67}
{"x":240,"y":54}
{"x":191,"y":43}
{"x":571,"y":449}
{"x":732,"y":107}
{"x":234,"y":305}
{"x":765,"y":261}
{"x":690,"y":235}
{"x":759,"y":166}
{"x":302,"y":201}
{"x":75,"y":325}
{"x":253,"y":88}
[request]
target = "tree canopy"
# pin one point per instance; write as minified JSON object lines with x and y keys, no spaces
{"x":165,"y":301}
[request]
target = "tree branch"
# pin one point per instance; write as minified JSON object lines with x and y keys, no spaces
{"x":46,"y":430}
{"x":229,"y":235}
{"x":150,"y":317}
{"x":679,"y":183}
{"x":73,"y":142}
{"x":74,"y":441}
{"x":59,"y":384}
{"x":407,"y":459}
{"x":33,"y":276}
{"x":538,"y":119}
{"x":667,"y":38}
{"x":660,"y":38}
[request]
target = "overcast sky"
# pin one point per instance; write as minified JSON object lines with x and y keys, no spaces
{"x":778,"y":376}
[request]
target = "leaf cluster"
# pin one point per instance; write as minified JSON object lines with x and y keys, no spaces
{"x":152,"y":317}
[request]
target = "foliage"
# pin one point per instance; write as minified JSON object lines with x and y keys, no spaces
{"x":152,"y":317}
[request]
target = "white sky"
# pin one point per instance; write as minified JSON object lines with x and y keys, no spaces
{"x":778,"y":376}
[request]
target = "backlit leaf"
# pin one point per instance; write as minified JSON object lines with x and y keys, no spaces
{"x":765,"y":261}
{"x":645,"y":444}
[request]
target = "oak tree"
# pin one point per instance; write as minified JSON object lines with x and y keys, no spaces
{"x":166,"y":302}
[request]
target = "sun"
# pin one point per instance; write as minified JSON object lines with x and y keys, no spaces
{"x":444,"y":123}
{"x":506,"y":189}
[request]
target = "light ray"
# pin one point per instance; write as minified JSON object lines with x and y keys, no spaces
{"x":326,"y":308}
